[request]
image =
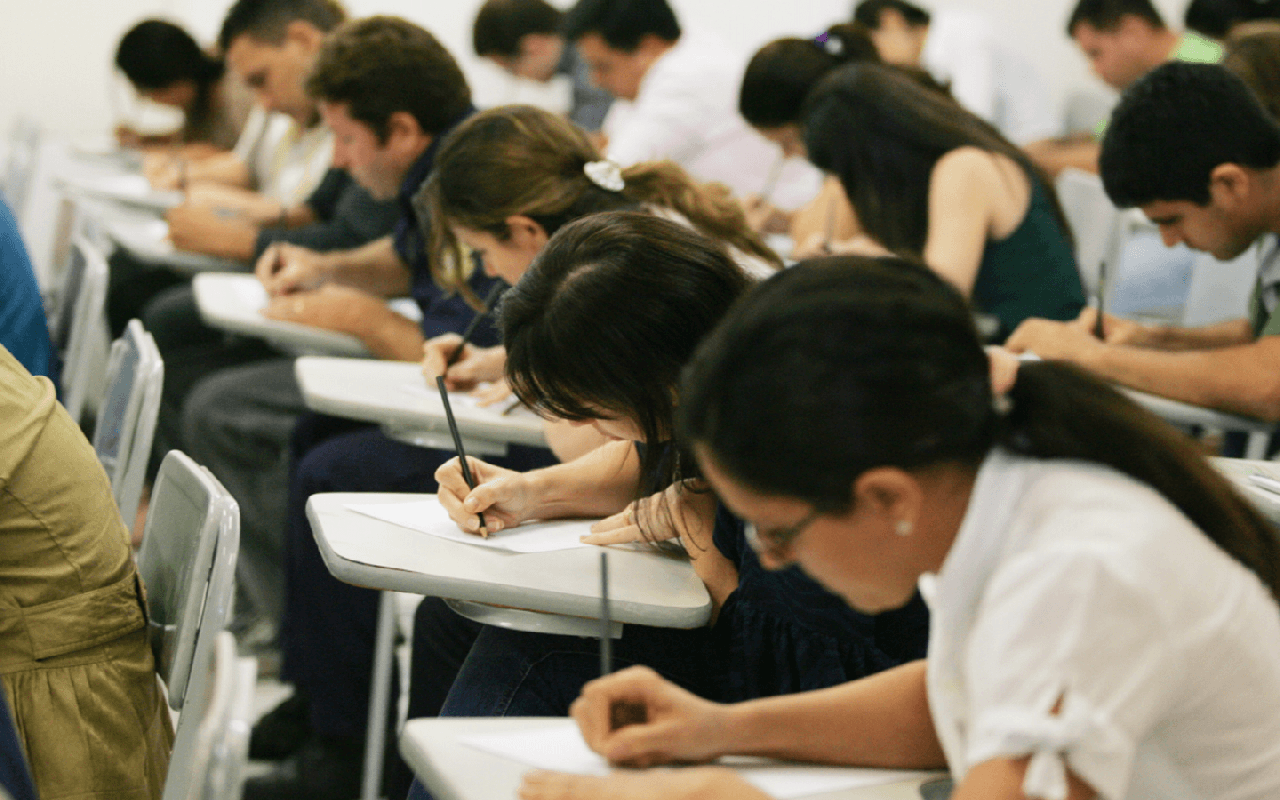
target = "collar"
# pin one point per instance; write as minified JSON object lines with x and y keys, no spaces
{"x":421,"y":168}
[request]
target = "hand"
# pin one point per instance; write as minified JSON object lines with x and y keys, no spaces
{"x":764,"y":217}
{"x":1114,"y":329}
{"x":286,"y":268}
{"x":1055,"y":341}
{"x":165,"y":172}
{"x":490,"y":394}
{"x":333,"y":308}
{"x":477,"y":364}
{"x":676,"y":512}
{"x":1003,"y":366}
{"x":202,"y":230}
{"x":679,"y":726}
{"x":502,"y":495}
{"x":703,"y":783}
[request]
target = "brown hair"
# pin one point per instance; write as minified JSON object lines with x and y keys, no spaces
{"x":381,"y":65}
{"x":1253,"y":53}
{"x":521,"y":160}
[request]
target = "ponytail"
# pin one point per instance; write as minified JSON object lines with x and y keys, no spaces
{"x":1060,"y":411}
{"x":844,"y":364}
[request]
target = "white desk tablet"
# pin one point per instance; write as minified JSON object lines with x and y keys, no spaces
{"x":395,"y":395}
{"x":146,"y":238}
{"x":646,"y":586}
{"x":121,"y":187}
{"x":458,"y":759}
{"x":1186,"y":414}
{"x":1259,"y":481}
{"x":234,"y":303}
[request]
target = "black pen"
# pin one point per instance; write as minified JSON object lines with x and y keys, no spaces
{"x":457,"y":444}
{"x":489,"y":302}
{"x":1099,"y":331}
{"x":621,"y":712}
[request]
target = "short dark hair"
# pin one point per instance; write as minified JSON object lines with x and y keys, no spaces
{"x":1178,"y":123}
{"x":155,"y":54}
{"x":501,"y":24}
{"x":868,"y":12}
{"x":381,"y":65}
{"x":621,"y":23}
{"x":780,"y":74}
{"x":1216,"y":18}
{"x":267,"y":20}
{"x":1105,"y":15}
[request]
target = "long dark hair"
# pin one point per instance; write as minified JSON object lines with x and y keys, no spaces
{"x":881,"y":133}
{"x":782,"y":72}
{"x":155,"y":54}
{"x":606,"y":318}
{"x":844,"y":364}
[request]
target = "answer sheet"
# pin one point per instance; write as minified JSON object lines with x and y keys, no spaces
{"x":560,"y":748}
{"x":428,"y":516}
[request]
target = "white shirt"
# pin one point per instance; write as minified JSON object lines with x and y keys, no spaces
{"x":988,"y":77}
{"x":686,"y":111}
{"x":1071,"y":582}
{"x":285,"y":161}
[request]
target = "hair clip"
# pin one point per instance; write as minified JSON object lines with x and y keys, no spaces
{"x":605,"y":174}
{"x":831,"y":45}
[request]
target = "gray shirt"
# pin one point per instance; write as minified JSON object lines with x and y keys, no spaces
{"x":590,"y":103}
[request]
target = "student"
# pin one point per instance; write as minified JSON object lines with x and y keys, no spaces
{"x":166,"y":66}
{"x":1104,"y":604}
{"x":1218,"y":19}
{"x":1190,"y":145}
{"x":676,"y":93}
{"x":76,"y":661}
{"x":24,"y":331}
{"x":523,"y":38}
{"x":964,"y":52}
{"x":931,"y":181}
{"x":662,"y":288}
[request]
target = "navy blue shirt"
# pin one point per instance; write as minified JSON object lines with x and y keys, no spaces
{"x":442,"y":311}
{"x":23,"y":328}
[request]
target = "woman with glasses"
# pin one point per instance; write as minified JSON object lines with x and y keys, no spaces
{"x":1104,"y":604}
{"x":661,"y":288}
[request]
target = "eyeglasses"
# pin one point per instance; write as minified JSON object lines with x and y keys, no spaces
{"x":775,"y":541}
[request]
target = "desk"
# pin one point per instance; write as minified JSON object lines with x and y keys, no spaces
{"x":455,"y":771}
{"x":145,"y":236}
{"x":1185,"y":414}
{"x":1238,"y":470}
{"x":233,"y":302}
{"x":396,"y":396}
{"x":119,"y":186}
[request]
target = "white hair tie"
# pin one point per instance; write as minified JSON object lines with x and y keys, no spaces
{"x":605,"y":174}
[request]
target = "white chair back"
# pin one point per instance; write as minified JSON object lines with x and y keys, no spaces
{"x":1220,"y":290}
{"x":212,"y":744}
{"x":127,"y":416}
{"x":1094,"y":224}
{"x":187,"y":563}
{"x":80,"y":327}
{"x":20,"y":168}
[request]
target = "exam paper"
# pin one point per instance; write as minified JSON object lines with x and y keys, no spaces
{"x":562,"y":749}
{"x":428,"y":516}
{"x":464,"y":401}
{"x":251,"y":294}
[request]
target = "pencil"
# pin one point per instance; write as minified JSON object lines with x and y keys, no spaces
{"x":1099,"y":329}
{"x":606,"y":642}
{"x":457,"y":444}
{"x":489,"y":301}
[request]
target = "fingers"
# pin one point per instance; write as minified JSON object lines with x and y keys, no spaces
{"x":268,"y":264}
{"x":486,"y":396}
{"x":464,"y":504}
{"x":436,"y":353}
{"x":621,"y":528}
{"x":592,"y":710}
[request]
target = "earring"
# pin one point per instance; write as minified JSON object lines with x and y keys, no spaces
{"x":903,"y":527}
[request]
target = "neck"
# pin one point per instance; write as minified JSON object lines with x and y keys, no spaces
{"x":949,"y":488}
{"x":1164,"y":45}
{"x":1269,"y":184}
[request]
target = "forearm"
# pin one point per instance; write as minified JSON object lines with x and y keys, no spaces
{"x":393,"y":337}
{"x":223,"y":168}
{"x":598,"y":484}
{"x":1208,"y":337}
{"x":375,"y":268}
{"x":1240,"y":380}
{"x":237,"y":241}
{"x":879,"y":721}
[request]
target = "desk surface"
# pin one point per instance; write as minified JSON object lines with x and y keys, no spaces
{"x":646,"y":587}
{"x":233,"y":302}
{"x":395,"y":393}
{"x":1187,"y":414}
{"x":145,"y":236}
{"x":455,"y":771}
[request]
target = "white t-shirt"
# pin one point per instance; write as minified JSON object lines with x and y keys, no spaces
{"x":285,"y":161}
{"x":1073,"y":583}
{"x":687,"y":111}
{"x":988,"y":77}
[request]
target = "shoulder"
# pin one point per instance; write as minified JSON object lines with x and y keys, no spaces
{"x":966,"y":171}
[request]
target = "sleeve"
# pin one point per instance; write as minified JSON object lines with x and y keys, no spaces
{"x":357,"y":219}
{"x":323,"y":200}
{"x":1070,"y":662}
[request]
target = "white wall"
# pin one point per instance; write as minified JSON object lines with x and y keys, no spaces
{"x":55,"y":54}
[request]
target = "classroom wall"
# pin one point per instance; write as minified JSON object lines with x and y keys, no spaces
{"x":55,"y":54}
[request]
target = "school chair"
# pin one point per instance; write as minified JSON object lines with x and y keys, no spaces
{"x":79,"y":330}
{"x":1095,"y":226}
{"x":187,"y":563}
{"x":127,"y":417}
{"x":211,"y":748}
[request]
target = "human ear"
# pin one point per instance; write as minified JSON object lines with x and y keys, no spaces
{"x":1229,"y":185}
{"x":304,"y":34}
{"x":890,"y":495}
{"x":402,"y":124}
{"x":526,"y":232}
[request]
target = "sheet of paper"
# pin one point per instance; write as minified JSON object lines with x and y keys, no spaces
{"x":251,"y":294}
{"x":428,"y":516}
{"x":562,"y":749}
{"x":462,"y":401}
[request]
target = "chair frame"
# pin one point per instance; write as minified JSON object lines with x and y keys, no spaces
{"x":138,"y":411}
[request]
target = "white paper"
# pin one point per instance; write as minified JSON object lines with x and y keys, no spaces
{"x":463,"y":401}
{"x":562,"y":749}
{"x":251,"y":294}
{"x":428,"y":516}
